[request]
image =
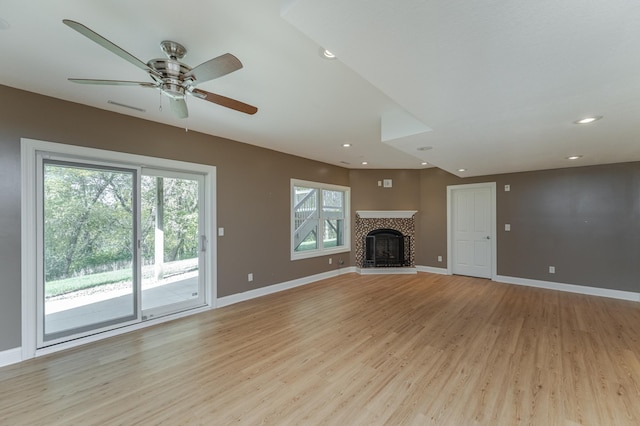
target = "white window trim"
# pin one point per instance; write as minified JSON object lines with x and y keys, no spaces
{"x":321,"y":251}
{"x":29,"y":260}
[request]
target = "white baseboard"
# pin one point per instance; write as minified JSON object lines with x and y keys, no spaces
{"x":431,"y":269}
{"x":275,"y":288}
{"x":571,"y":288}
{"x":10,"y":356}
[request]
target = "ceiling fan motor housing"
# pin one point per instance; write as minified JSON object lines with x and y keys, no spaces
{"x":173,"y":82}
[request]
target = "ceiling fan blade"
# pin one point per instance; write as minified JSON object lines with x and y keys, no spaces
{"x":214,"y":68}
{"x":112,"y":82}
{"x":97,"y":38}
{"x":224,"y":101}
{"x":178,"y":107}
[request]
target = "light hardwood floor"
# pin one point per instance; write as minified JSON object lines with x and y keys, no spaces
{"x":354,"y":350}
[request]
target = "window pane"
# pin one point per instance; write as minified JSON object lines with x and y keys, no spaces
{"x":170,"y":237}
{"x":89,"y":248}
{"x":332,"y":204}
{"x":310,"y":241}
{"x":333,"y":233}
{"x":305,"y":218}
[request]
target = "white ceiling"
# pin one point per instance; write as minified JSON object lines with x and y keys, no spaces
{"x":492,"y":86}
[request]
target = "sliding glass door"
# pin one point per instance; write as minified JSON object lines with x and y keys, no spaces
{"x":172,"y":249}
{"x":89,"y":247}
{"x":119,"y":245}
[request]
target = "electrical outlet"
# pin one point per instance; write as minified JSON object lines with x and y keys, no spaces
{"x":250,"y":276}
{"x":552,"y":269}
{"x":507,"y":188}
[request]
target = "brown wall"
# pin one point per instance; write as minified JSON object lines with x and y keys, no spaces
{"x":367,"y":195}
{"x":252,"y":191}
{"x":585,"y":221}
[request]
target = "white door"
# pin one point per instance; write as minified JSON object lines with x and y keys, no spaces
{"x":471,"y":213}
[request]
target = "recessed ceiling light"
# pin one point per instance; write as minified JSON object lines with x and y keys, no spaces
{"x":462,"y":170}
{"x":346,"y":145}
{"x":588,"y":120}
{"x":424,"y":163}
{"x":574,"y":157}
{"x":327,"y":54}
{"x":364,"y":163}
{"x":424,"y":148}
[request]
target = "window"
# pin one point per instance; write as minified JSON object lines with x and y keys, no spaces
{"x":319,"y":219}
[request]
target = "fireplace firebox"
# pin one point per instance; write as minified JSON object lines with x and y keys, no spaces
{"x":386,"y":248}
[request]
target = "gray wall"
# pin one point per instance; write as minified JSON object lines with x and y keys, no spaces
{"x":584,"y":220}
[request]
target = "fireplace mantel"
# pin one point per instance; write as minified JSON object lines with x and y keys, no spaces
{"x":386,"y":214}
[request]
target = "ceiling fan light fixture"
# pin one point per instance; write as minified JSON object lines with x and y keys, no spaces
{"x":588,"y":120}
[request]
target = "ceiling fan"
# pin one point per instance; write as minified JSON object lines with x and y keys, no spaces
{"x":173,"y":78}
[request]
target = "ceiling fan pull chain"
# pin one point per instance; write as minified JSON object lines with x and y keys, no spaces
{"x":186,"y":121}
{"x":160,"y":104}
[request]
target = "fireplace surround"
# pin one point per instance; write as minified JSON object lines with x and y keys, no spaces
{"x":400,"y":221}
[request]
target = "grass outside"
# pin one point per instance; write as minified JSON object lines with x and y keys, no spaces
{"x":311,"y":245}
{"x":68,"y":285}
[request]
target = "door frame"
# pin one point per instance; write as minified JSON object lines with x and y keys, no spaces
{"x":450,"y":240}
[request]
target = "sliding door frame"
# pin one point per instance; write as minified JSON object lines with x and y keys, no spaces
{"x":29,"y":233}
{"x":43,"y":158}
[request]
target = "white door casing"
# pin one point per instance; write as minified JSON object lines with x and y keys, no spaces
{"x":471,"y":227}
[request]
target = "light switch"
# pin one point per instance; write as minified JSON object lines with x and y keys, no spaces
{"x":220,"y":232}
{"x":507,"y":188}
{"x":507,"y":227}
{"x":387,"y":183}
